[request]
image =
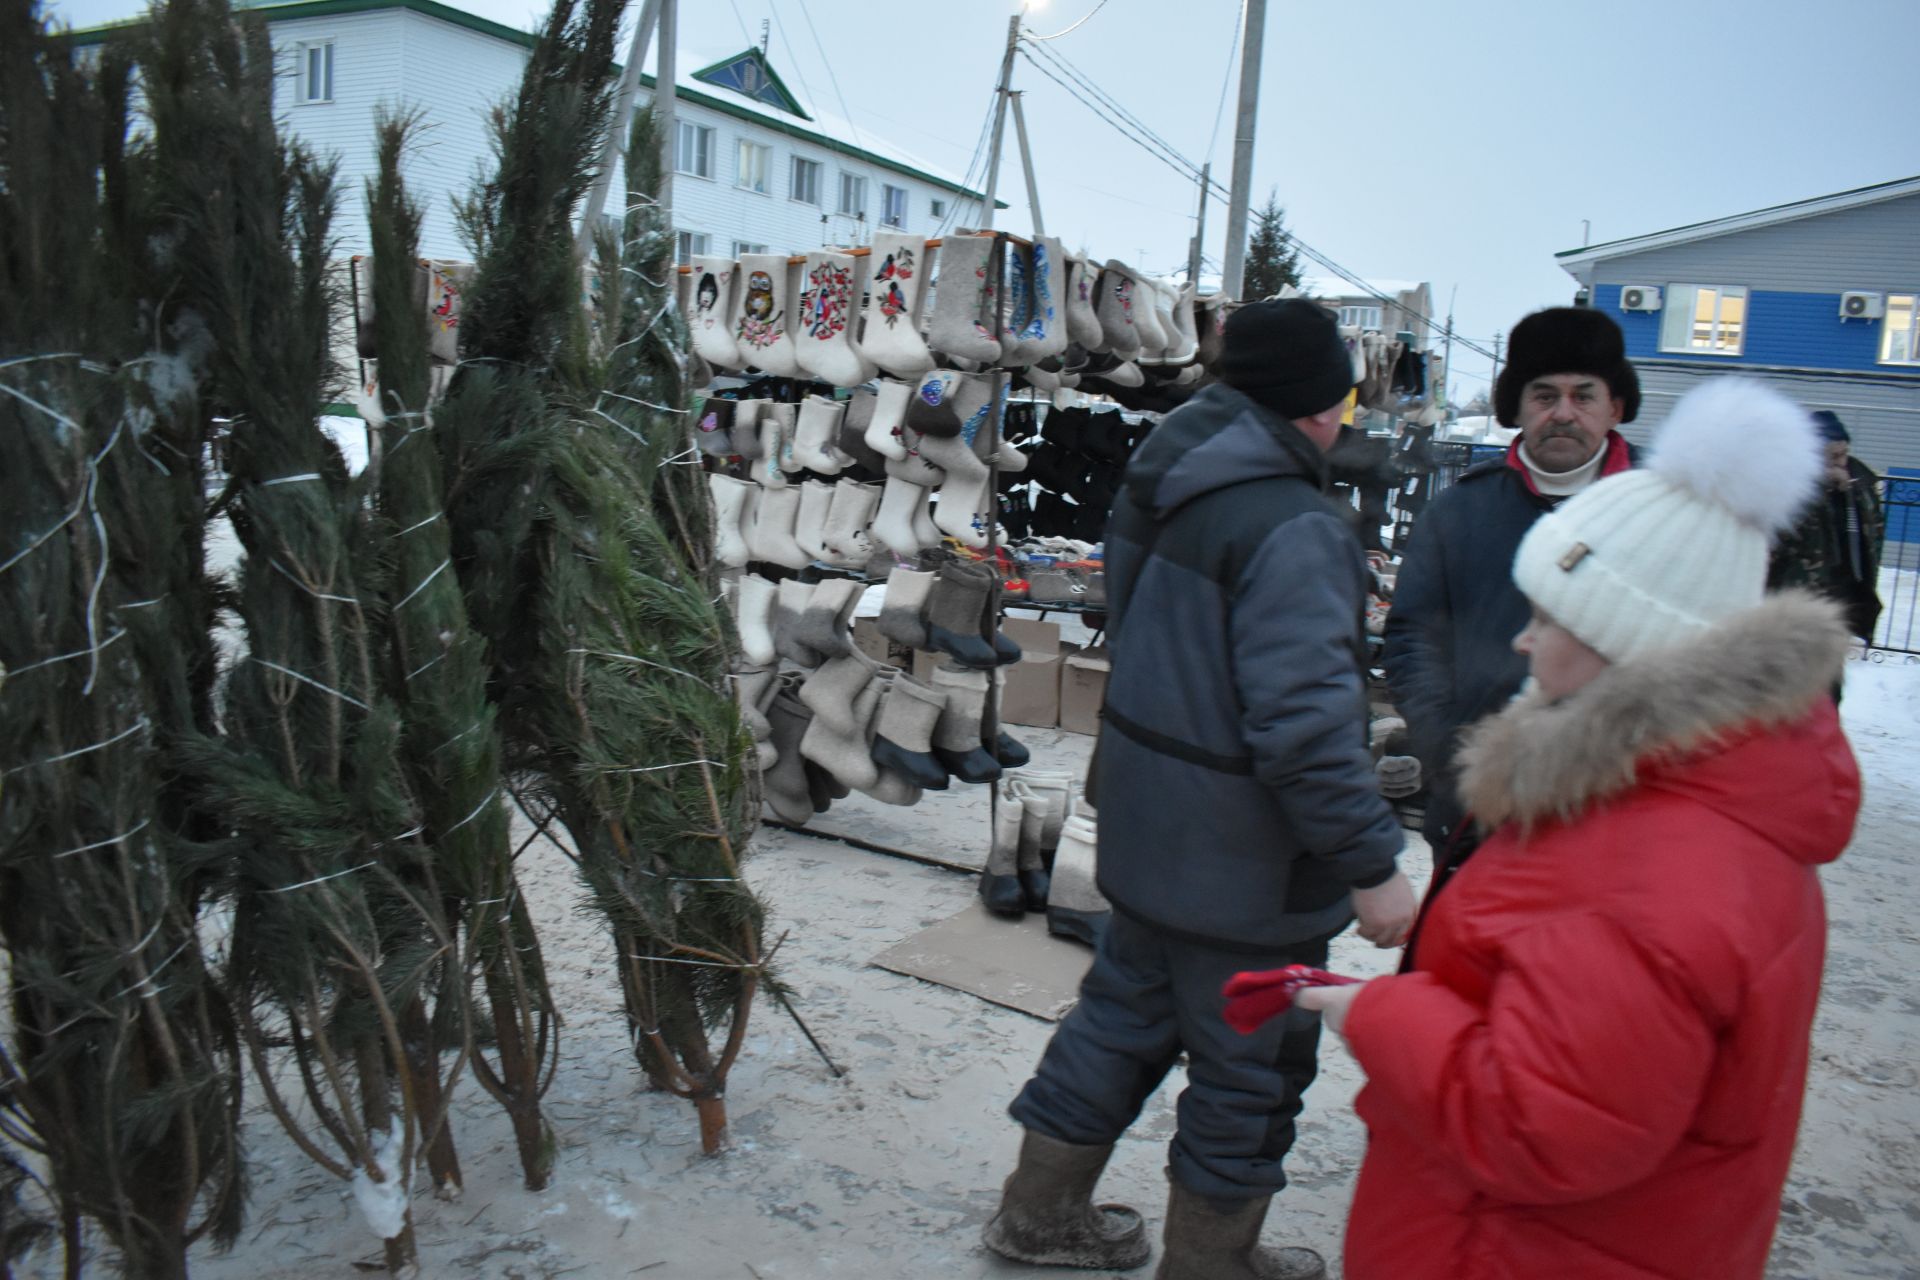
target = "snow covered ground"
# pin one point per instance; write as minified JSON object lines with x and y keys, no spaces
{"x":892,"y":1170}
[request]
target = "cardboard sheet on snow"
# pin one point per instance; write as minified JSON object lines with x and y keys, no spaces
{"x":1014,"y":963}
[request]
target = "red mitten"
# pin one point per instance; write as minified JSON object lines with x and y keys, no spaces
{"x":1258,"y":995}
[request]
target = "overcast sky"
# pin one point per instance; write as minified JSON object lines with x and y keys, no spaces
{"x":1459,"y":143}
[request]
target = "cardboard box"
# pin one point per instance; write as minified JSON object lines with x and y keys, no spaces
{"x":1030,"y":688}
{"x":868,"y":640}
{"x":1083,"y":689}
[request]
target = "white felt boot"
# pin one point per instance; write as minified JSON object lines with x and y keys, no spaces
{"x":893,"y":525}
{"x":959,"y":300}
{"x":1146,"y":318}
{"x":925,"y":531}
{"x":754,"y":601}
{"x":1187,"y":336}
{"x":1116,"y":305}
{"x":810,"y":522}
{"x":729,"y":509}
{"x":764,"y":314}
{"x":714,"y":316}
{"x":889,"y":411}
{"x":1083,"y":326}
{"x":849,"y":545}
{"x":823,"y":327}
{"x":890,"y":333}
{"x":814,"y":433}
{"x":772,"y":537}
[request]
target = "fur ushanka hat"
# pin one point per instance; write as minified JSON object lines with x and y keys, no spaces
{"x":1565,"y":340}
{"x":1649,"y":558}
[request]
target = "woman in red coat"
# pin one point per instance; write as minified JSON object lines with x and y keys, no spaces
{"x":1593,"y":1068}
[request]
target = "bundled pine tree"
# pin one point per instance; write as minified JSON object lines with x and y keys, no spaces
{"x":581,"y":528}
{"x":116,"y":1067}
{"x":438,"y":680}
{"x":338,"y":927}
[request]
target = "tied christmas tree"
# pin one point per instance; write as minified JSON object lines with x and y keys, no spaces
{"x":582,"y":532}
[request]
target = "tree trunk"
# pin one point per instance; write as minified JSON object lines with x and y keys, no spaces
{"x":430,"y":1101}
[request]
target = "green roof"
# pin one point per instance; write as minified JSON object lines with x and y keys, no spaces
{"x":749,"y":73}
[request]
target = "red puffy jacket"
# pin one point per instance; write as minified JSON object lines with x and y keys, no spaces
{"x":1595,"y":1070}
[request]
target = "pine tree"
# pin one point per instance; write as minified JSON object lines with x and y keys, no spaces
{"x":337,"y":924}
{"x":439,"y":681}
{"x":582,"y":529}
{"x":1273,"y":262}
{"x":118,"y":1064}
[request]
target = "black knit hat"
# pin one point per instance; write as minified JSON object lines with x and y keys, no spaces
{"x":1565,"y":340}
{"x":1287,"y":355}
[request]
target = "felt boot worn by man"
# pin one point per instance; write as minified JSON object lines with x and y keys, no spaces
{"x":1213,"y":1239}
{"x":1047,"y":1215}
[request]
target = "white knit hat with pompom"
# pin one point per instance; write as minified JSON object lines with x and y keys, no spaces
{"x":1651,"y":558}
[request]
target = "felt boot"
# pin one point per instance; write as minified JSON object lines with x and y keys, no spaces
{"x":889,"y":413}
{"x":753,"y":603}
{"x":845,"y":752}
{"x":1083,"y":326}
{"x":1075,"y":906}
{"x":1211,"y":321}
{"x":1031,"y":863}
{"x":925,"y":531}
{"x":813,"y":436}
{"x":1053,"y":790}
{"x":784,"y":786}
{"x":849,"y":545}
{"x":832,"y":691}
{"x":903,"y":612}
{"x":744,"y":435}
{"x":930,"y":409}
{"x":1047,"y":1216}
{"x":895,"y":789}
{"x":713,"y":427}
{"x":823,"y":326}
{"x":956,"y":738}
{"x":956,"y":614}
{"x":770,"y":538}
{"x":764,"y":313}
{"x":893,"y":524}
{"x":1210,"y":1239}
{"x":711,"y":324}
{"x":958,"y":299}
{"x":1000,"y":881}
{"x":810,"y":521}
{"x":729,"y":504}
{"x":1115,"y":304}
{"x":903,"y":735}
{"x":775,"y":448}
{"x":750,"y":689}
{"x":789,"y":609}
{"x":1043,"y":333}
{"x":1010,"y":751}
{"x":824,"y":625}
{"x":1146,"y":319}
{"x":852,"y":437}
{"x":890,"y":335}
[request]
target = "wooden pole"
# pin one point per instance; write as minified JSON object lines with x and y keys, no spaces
{"x":616,"y":139}
{"x":1238,"y":194}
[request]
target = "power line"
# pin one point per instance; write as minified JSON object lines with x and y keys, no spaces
{"x":1172,"y":159}
{"x":1075,"y":27}
{"x":973,"y":165}
{"x":1112,"y":104}
{"x":831,"y":77}
{"x":1226,"y":78}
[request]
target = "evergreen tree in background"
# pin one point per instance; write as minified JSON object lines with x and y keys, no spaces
{"x":1272,"y":260}
{"x":117,"y":1067}
{"x":438,"y":679}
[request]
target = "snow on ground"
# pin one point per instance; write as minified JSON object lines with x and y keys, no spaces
{"x":891,"y":1171}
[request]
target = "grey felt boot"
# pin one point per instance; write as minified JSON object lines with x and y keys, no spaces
{"x":956,"y":613}
{"x":1047,"y":1215}
{"x":903,"y":611}
{"x":1209,"y":1239}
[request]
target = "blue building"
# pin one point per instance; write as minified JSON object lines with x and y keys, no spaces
{"x":1820,"y":297}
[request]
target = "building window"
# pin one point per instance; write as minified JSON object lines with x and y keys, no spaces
{"x":691,"y":244}
{"x":743,"y":246}
{"x":316,"y":72}
{"x":1360,"y":317}
{"x":806,"y":181}
{"x":938,"y":208}
{"x":752,"y":162}
{"x":893,"y":205}
{"x":1706,"y":319}
{"x":1900,"y":330}
{"x":853,"y":195}
{"x":694,"y":152}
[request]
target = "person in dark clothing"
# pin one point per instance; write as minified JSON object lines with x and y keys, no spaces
{"x":1240,"y":823}
{"x":1835,"y":547}
{"x":1448,"y":654}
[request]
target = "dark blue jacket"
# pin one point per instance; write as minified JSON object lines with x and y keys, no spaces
{"x":1237,"y":797}
{"x":1449,"y":653}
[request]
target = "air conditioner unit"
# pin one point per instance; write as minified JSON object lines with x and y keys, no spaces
{"x":1640,"y":297}
{"x":1862,"y":306}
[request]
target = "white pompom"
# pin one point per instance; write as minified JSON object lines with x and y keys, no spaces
{"x":1738,"y":442}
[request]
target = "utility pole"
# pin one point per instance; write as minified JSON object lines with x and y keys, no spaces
{"x":664,"y":98}
{"x":1000,"y":119}
{"x":616,"y":140}
{"x":1026,"y":162}
{"x":1199,"y":230}
{"x":1496,"y":365}
{"x":1446,"y":359}
{"x":1250,"y":48}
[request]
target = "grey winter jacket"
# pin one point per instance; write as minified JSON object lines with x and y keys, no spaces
{"x":1236,"y":793}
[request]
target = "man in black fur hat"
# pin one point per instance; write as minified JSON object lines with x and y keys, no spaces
{"x":1449,"y":641}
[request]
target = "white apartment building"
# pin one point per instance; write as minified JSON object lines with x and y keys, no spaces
{"x":757,"y":169}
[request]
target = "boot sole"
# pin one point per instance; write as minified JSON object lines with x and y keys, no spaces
{"x":1130,"y":1251}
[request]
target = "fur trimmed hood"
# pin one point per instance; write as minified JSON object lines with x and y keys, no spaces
{"x":1539,"y":760}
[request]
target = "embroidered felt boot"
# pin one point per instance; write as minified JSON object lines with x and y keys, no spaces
{"x":1117,"y":306}
{"x":713,"y":427}
{"x":890,"y":331}
{"x":1083,"y":326}
{"x":764,"y":313}
{"x":714,"y":319}
{"x":959,"y":299}
{"x":1047,"y":1216}
{"x":889,"y":413}
{"x":1209,"y":1239}
{"x":823,"y":327}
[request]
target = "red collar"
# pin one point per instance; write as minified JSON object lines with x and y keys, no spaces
{"x":1619,"y":458}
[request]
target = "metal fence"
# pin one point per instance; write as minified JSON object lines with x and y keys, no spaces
{"x":1899,"y":629}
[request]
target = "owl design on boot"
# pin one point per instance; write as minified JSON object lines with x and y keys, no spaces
{"x":759,"y":323}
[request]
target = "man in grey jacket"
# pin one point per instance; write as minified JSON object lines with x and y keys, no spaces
{"x":1240,"y":823}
